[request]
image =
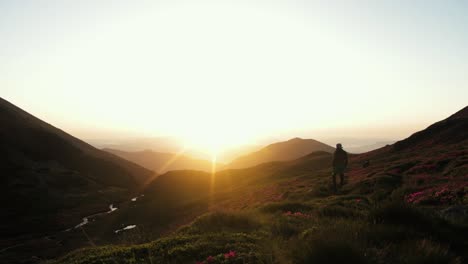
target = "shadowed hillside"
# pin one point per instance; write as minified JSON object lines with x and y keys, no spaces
{"x":163,"y":162}
{"x":431,"y":165}
{"x":51,"y":179}
{"x":281,"y":151}
{"x":452,"y":130}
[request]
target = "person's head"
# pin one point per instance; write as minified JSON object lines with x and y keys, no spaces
{"x":339,"y":146}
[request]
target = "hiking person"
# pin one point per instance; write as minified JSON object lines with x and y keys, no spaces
{"x":366,"y":164}
{"x":340,"y":162}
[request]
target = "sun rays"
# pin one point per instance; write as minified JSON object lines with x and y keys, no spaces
{"x":176,"y":156}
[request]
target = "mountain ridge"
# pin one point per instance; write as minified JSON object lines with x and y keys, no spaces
{"x":162,"y":162}
{"x":280,"y":151}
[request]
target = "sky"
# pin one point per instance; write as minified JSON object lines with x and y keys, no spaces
{"x":223,"y":73}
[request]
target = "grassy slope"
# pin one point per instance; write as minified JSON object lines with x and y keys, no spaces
{"x":370,"y":220}
{"x":406,"y":207}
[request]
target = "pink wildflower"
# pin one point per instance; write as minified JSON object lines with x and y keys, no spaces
{"x":231,"y":254}
{"x":209,"y":259}
{"x":412,"y":198}
{"x":358,"y":200}
{"x":296,"y":214}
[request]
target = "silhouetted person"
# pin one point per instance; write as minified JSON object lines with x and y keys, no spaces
{"x":366,"y":164}
{"x":340,"y":162}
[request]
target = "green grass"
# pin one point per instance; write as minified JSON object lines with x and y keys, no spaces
{"x":366,"y":221}
{"x":334,"y":232}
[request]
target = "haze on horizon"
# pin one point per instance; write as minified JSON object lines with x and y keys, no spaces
{"x":222,"y":73}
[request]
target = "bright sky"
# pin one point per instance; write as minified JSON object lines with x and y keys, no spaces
{"x":219,"y":73}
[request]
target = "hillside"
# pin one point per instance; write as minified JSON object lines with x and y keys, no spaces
{"x":162,"y":162}
{"x":51,"y":179}
{"x":431,"y":164}
{"x":408,"y":206}
{"x":176,"y":198}
{"x":281,"y":151}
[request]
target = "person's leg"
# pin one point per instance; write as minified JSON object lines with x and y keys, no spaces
{"x":341,"y":179}
{"x":334,"y":181}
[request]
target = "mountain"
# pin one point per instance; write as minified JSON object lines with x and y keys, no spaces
{"x":51,"y":179}
{"x":162,"y":144}
{"x":170,"y":145}
{"x":163,"y":162}
{"x":281,"y":151}
{"x":229,"y":154}
{"x":366,"y":148}
{"x":452,"y":130}
{"x":430,"y":160}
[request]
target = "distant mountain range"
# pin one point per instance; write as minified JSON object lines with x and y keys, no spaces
{"x":281,"y":151}
{"x":170,"y":145}
{"x":162,"y":162}
{"x":367,"y":148}
{"x":160,"y":144}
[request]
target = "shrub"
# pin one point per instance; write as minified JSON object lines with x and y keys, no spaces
{"x":175,"y":249}
{"x":337,"y":211}
{"x":424,"y":252}
{"x":285,"y":227}
{"x":399,"y":213}
{"x":285,"y":207}
{"x":223,"y":222}
{"x":327,"y":250}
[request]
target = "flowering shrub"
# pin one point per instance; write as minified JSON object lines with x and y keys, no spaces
{"x":414,"y":197}
{"x":439,"y":195}
{"x":424,"y":168}
{"x":422,"y":178}
{"x":297,"y":214}
{"x":220,"y":258}
{"x":230,"y":254}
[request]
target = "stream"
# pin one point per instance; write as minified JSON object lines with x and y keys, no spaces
{"x":125,"y":228}
{"x":86,"y":219}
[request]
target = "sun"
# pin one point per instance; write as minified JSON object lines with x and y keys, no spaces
{"x":213,"y":140}
{"x":209,"y":142}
